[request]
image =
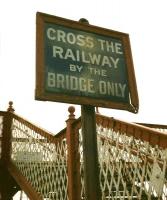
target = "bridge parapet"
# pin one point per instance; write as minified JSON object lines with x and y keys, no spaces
{"x":132,"y":159}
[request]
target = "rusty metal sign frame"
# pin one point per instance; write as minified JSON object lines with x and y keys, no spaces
{"x":41,"y":94}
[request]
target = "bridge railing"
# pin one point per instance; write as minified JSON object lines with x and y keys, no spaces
{"x":41,"y":158}
{"x":132,"y":159}
{"x":34,"y":157}
{"x":158,"y":127}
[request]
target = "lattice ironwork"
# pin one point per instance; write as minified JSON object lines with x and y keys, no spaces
{"x":42,"y":159}
{"x":130,"y":168}
{"x":82,"y":164}
{"x":132,"y":160}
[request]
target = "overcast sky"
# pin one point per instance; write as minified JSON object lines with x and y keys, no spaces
{"x":144,"y":21}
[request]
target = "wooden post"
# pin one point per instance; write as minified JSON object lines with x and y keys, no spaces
{"x":8,"y":186}
{"x":6,"y":133}
{"x":73,"y":158}
{"x":90,"y":154}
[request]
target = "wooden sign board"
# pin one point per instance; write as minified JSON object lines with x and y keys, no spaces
{"x":84,"y":64}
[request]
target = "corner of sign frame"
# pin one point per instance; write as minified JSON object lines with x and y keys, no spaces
{"x":39,"y":16}
{"x":134,"y":108}
{"x":38,"y":13}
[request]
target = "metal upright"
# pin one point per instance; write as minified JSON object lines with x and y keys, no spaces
{"x":90,"y":153}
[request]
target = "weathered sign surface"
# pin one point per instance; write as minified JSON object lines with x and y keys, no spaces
{"x":83,"y":64}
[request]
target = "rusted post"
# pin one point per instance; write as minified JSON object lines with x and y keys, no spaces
{"x":90,"y":154}
{"x":10,"y":108}
{"x":8,"y":185}
{"x":90,"y":151}
{"x":6,"y":134}
{"x":73,"y":158}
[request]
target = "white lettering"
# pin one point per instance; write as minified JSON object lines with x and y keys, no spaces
{"x":114,"y":47}
{"x":51,"y":33}
{"x":69,"y":37}
{"x":122,"y":89}
{"x":73,"y":83}
{"x":95,"y":59}
{"x":97,"y":71}
{"x":69,"y":54}
{"x":51,"y":79}
{"x":58,"y":51}
{"x":112,"y":89}
{"x":82,"y":84}
{"x":81,"y":40}
{"x":91,"y":86}
{"x":89,"y":42}
{"x":75,"y":68}
{"x":106,"y":61}
{"x":61,"y":36}
{"x":60,"y":81}
{"x":115,"y":62}
{"x":83,"y":56}
{"x":86,"y":85}
{"x":102,"y":87}
{"x":118,"y":48}
{"x":110,"y":46}
{"x":102,"y":42}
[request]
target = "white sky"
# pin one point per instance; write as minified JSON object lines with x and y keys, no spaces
{"x":144,"y":21}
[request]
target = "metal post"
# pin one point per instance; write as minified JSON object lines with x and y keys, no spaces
{"x":73,"y":158}
{"x":90,"y":153}
{"x":8,"y":186}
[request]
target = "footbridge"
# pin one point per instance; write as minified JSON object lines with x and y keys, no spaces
{"x":42,"y":166}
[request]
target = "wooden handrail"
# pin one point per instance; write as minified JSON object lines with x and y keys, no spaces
{"x":141,"y":131}
{"x":154,"y":137}
{"x":157,"y":126}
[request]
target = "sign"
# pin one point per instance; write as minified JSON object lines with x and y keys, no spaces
{"x":83,"y":64}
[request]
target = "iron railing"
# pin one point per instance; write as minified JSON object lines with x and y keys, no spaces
{"x":132,"y":159}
